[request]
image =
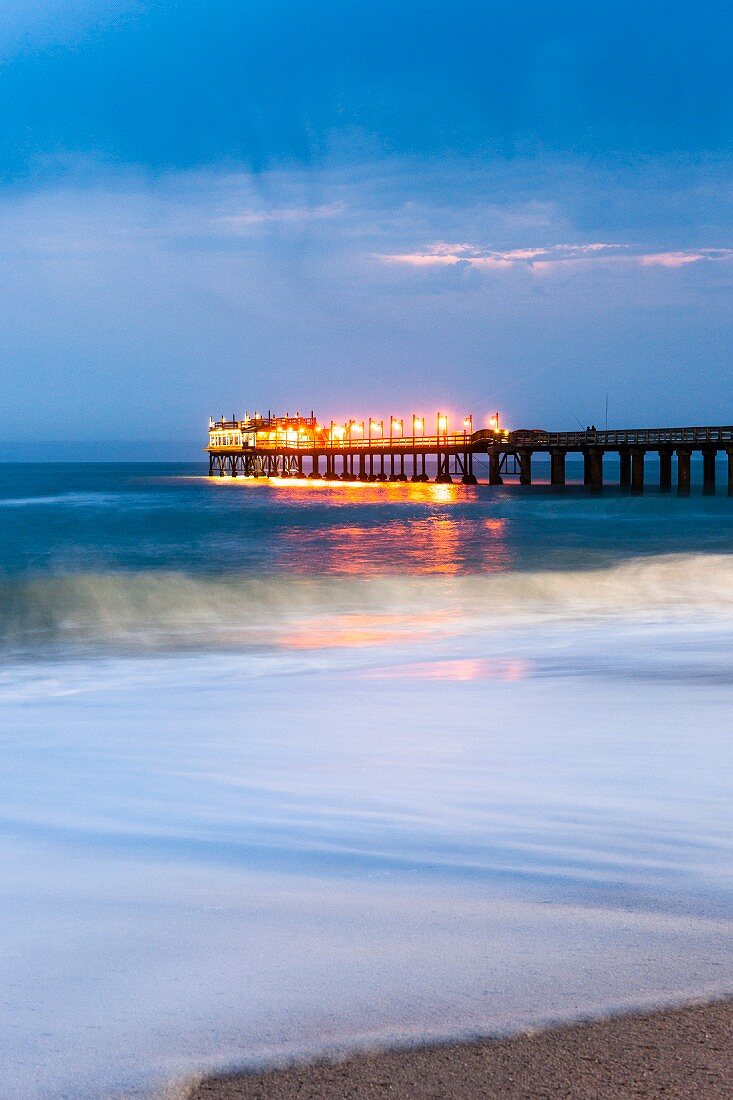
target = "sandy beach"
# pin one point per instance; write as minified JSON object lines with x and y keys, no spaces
{"x":676,"y":1053}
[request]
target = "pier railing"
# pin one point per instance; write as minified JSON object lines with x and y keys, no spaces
{"x":627,"y":437}
{"x":535,"y":438}
{"x":359,"y":443}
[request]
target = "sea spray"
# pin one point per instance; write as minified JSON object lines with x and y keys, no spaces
{"x":164,"y":611}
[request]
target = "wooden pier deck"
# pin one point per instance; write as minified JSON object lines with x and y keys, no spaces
{"x":298,"y":447}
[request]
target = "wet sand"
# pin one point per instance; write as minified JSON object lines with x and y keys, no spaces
{"x":681,"y":1053}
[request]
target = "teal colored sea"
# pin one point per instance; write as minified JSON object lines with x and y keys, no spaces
{"x":293,"y":768}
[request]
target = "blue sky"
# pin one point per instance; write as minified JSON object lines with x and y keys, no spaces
{"x":363,"y":207}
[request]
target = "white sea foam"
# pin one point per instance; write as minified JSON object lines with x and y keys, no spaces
{"x":169,"y":610}
{"x":235,"y":857}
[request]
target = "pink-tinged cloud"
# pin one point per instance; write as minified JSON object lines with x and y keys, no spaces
{"x":586,"y":249}
{"x":679,"y":259}
{"x":522,"y":254}
{"x":422,"y":259}
{"x":442,"y":248}
{"x":542,"y":260}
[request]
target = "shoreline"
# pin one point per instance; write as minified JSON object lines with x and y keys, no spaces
{"x":670,"y":1053}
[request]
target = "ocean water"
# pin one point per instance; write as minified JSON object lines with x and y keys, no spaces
{"x":291,"y":768}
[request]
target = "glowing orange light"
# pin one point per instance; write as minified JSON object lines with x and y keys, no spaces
{"x":375,"y":426}
{"x":397,"y":426}
{"x":338,"y":431}
{"x":418,"y":424}
{"x":442,"y":423}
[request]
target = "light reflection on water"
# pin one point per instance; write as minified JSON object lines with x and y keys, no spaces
{"x":458,"y":668}
{"x":295,"y":490}
{"x":356,"y":630}
{"x":431,"y":545}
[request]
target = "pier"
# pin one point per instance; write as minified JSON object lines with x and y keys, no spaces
{"x":368,"y":451}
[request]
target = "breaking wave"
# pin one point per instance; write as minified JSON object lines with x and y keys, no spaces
{"x":168,"y":611}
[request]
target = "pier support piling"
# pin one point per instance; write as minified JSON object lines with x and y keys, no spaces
{"x":443,"y":476}
{"x":637,"y":469}
{"x":665,"y":470}
{"x":469,"y":478}
{"x":557,"y":467}
{"x":683,"y":470}
{"x":495,"y":477}
{"x":525,"y":471}
{"x":415,"y":467}
{"x":595,"y":456}
{"x":624,"y":457}
{"x":709,"y":455}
